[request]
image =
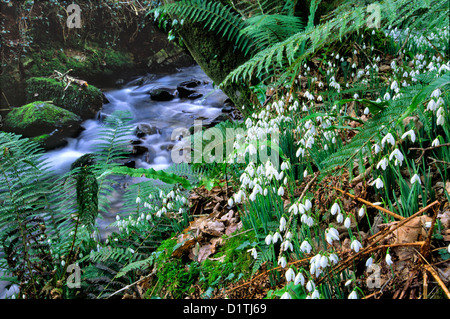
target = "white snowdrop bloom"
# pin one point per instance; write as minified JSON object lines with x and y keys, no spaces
{"x":305,"y":173}
{"x":435,"y":142}
{"x":353,"y":295}
{"x":331,"y":234}
{"x":440,"y":120}
{"x":276,"y":236}
{"x":389,"y":259}
{"x":294,"y":209}
{"x":398,"y":157}
{"x":282,"y":262}
{"x":310,"y":285}
{"x":389,"y":139}
{"x":448,"y":249}
{"x":333,"y":258}
{"x":117,"y":217}
{"x":138,"y":200}
{"x":319,"y":98}
{"x":268,"y":239}
{"x":369,"y":262}
{"x":284,"y":166}
{"x":378,"y":183}
{"x":315,"y":294}
{"x":376,"y":148}
{"x":347,"y":222}
{"x":281,"y":191}
{"x":361,"y":212}
{"x":431,"y":106}
{"x":230,"y":201}
{"x":394,"y":85}
{"x":308,"y":204}
{"x":340,"y":218}
{"x":436,"y":93}
{"x":366,"y":111}
{"x":387,"y":96}
{"x":323,"y":261}
{"x":348,"y":282}
{"x":253,"y":252}
{"x":415,"y":179}
{"x":282,"y":224}
{"x":266,"y":191}
{"x":286,"y":295}
{"x":335,"y":209}
{"x":440,"y":112}
{"x":309,"y":221}
{"x":383,"y":164}
{"x":356,"y":96}
{"x":290,"y":275}
{"x":305,"y":247}
{"x":411,"y":134}
{"x":299,"y":279}
{"x":355,"y":245}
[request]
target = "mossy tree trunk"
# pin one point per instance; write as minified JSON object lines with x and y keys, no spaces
{"x":217,"y":57}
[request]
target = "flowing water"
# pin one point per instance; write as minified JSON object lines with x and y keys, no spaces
{"x":160,"y":118}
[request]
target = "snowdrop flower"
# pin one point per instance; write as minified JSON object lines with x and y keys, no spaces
{"x":308,"y":204}
{"x":389,"y":259}
{"x":305,"y":173}
{"x":448,"y":249}
{"x":411,"y":134}
{"x":315,"y":294}
{"x":369,"y":262}
{"x":305,"y":247}
{"x":366,"y":111}
{"x":251,"y":149}
{"x":335,"y":209}
{"x":310,"y":286}
{"x":268,"y":239}
{"x":387,"y":96}
{"x":355,"y":245}
{"x":230,"y":201}
{"x":284,"y":166}
{"x":340,"y":218}
{"x":334,"y":258}
{"x":290,"y":275}
{"x":281,"y":191}
{"x":378,"y":183}
{"x":138,"y":200}
{"x":276,"y":236}
{"x":394,"y":85}
{"x":415,"y":179}
{"x":294,"y":209}
{"x":299,"y":279}
{"x":323,"y":262}
{"x":347,"y":222}
{"x":431,"y":106}
{"x":389,"y":139}
{"x":440,"y":120}
{"x":436,"y":93}
{"x":286,"y":295}
{"x":361,"y":212}
{"x":253,"y":252}
{"x":348,"y":282}
{"x":282,"y":261}
{"x":435,"y":142}
{"x":353,"y":295}
{"x":376,"y":148}
{"x":398,"y":157}
{"x":282,"y":223}
{"x":331,"y":234}
{"x":383,"y":164}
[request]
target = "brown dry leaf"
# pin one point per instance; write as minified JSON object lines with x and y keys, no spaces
{"x":212,"y":227}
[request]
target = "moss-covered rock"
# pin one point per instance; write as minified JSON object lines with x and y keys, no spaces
{"x":44,"y":122}
{"x":83,"y":101}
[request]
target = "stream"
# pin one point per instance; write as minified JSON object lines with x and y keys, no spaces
{"x":154,"y":120}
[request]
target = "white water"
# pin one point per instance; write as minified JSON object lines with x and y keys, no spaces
{"x":166,"y":116}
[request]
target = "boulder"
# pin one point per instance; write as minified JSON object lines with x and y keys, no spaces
{"x":85,"y":101}
{"x":184,"y":92}
{"x":146,"y":129}
{"x":192,"y":83}
{"x":162,"y":94}
{"x":46,"y":123}
{"x":195,"y":96}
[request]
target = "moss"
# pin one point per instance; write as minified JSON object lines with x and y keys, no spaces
{"x":85,"y":102}
{"x":39,"y":118}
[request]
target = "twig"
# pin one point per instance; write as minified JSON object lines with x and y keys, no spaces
{"x":370,"y":204}
{"x":134,"y":283}
{"x":438,"y":279}
{"x":425,"y":284}
{"x":425,"y":250}
{"x":427,"y":149}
